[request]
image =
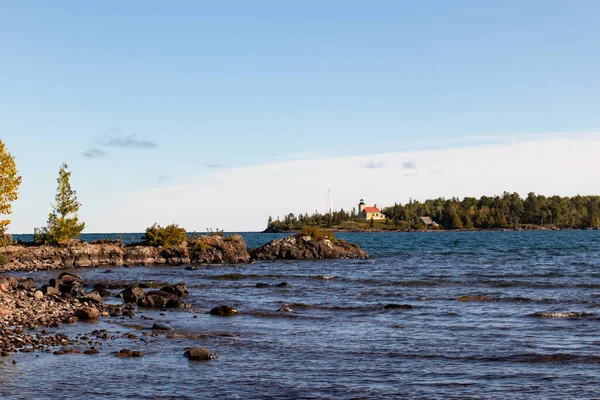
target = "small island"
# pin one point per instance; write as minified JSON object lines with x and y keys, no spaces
{"x":509,"y":211}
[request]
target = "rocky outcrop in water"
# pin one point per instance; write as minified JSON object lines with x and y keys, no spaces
{"x":76,"y":254}
{"x":298,"y":247}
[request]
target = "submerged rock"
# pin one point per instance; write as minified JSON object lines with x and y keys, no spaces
{"x":223,"y":311}
{"x":398,"y":306}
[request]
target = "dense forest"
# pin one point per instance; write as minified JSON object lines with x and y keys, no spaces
{"x":498,"y":212}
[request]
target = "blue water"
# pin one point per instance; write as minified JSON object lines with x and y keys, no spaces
{"x":340,"y":342}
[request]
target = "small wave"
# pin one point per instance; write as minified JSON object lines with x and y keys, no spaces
{"x":558,"y":314}
{"x":325,"y":277}
{"x":548,"y":358}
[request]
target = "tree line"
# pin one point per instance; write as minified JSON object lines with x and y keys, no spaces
{"x":488,"y":212}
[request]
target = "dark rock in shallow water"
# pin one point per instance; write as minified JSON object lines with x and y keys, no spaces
{"x":161,"y":293}
{"x":398,"y":306}
{"x":298,"y":247}
{"x":152,"y":301}
{"x":93,"y":296}
{"x":178,"y":289}
{"x":262,"y":285}
{"x":133,"y":294}
{"x":199,"y":354}
{"x":160,"y":327}
{"x":87,"y":313}
{"x":223,"y":311}
{"x":283,"y":284}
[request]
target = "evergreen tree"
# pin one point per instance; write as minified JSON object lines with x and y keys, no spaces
{"x":9,"y":185}
{"x":63,"y":223}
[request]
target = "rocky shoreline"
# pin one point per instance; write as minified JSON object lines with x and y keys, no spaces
{"x":203,"y":250}
{"x":28,"y":314}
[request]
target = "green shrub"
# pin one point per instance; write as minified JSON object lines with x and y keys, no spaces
{"x":316,"y":233}
{"x":168,"y":236}
{"x":5,"y":240}
{"x":4,"y":259}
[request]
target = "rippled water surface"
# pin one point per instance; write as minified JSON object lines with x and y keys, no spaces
{"x":495,"y":315}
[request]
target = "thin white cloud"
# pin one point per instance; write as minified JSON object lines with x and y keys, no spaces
{"x":242,"y":198}
{"x":128,"y":141}
{"x":375,"y":165}
{"x":94,"y":153}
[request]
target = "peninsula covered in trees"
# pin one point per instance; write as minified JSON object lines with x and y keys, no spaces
{"x":508,"y":211}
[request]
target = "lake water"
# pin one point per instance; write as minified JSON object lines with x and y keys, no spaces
{"x":479,"y":327}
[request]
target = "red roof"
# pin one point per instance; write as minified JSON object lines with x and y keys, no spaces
{"x":371,"y":209}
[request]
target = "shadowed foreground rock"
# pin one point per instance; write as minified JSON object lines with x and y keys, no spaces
{"x":76,"y":254}
{"x":298,"y":247}
{"x":199,"y":354}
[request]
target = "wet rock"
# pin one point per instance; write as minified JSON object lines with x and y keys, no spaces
{"x":176,"y":303}
{"x":199,"y":354}
{"x":160,"y":327}
{"x":153,"y":301}
{"x":124,"y":353}
{"x":223,"y":311}
{"x":87,"y":313}
{"x":192,"y":268}
{"x":285,"y":309}
{"x":179,"y":289}
{"x":262,"y":285}
{"x":93,"y":296}
{"x":69,"y":278}
{"x":161,"y":293}
{"x":91,"y":351}
{"x":283,"y":285}
{"x":133,"y":294}
{"x":398,"y":306}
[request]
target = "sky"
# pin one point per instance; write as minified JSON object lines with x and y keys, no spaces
{"x":221,"y":114}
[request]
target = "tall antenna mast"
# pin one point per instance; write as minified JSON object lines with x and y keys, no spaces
{"x":329,"y":206}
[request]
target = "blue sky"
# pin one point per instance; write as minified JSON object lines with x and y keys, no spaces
{"x":187,"y":90}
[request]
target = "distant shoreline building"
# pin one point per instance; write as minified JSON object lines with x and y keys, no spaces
{"x":429,"y":222}
{"x":365,"y":212}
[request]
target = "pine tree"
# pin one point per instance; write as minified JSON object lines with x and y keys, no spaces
{"x":9,"y":185}
{"x":63,"y":223}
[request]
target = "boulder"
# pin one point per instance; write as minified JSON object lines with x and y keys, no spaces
{"x":93,"y":296}
{"x":133,"y":294}
{"x":199,"y":354}
{"x":223,"y":311}
{"x":179,"y":289}
{"x":87,"y":313}
{"x":160,"y":327}
{"x":161,"y":293}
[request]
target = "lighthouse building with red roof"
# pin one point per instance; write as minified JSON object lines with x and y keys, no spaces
{"x":365,"y":212}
